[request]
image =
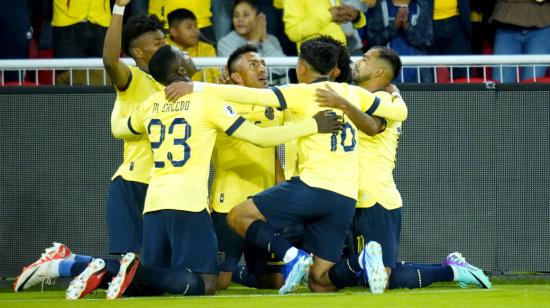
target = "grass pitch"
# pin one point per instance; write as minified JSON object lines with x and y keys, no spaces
{"x":518,"y":294}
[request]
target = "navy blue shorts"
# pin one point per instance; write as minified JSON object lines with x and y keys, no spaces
{"x":125,"y":215}
{"x":230,"y":244}
{"x":381,"y":225}
{"x":180,"y":239}
{"x":326,"y":215}
{"x":260,"y":261}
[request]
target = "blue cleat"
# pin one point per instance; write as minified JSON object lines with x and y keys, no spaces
{"x":467,"y":273}
{"x":373,"y":267}
{"x":294,"y":271}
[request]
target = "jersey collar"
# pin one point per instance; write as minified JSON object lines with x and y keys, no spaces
{"x":320,"y":79}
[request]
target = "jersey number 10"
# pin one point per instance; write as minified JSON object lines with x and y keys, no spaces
{"x":347,"y":133}
{"x":182,"y":141}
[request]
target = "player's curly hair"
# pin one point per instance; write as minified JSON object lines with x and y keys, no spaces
{"x":344,"y":58}
{"x":322,"y":56}
{"x":137,"y":26}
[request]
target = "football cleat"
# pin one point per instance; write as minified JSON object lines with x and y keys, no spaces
{"x":294,"y":271}
{"x":36,"y":272}
{"x":373,"y":267}
{"x":87,"y":281}
{"x":467,"y":273}
{"x":128,"y":267}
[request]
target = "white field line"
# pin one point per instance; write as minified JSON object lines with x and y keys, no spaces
{"x":259,"y":295}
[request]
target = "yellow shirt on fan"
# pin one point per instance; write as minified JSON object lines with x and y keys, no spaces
{"x":138,"y":158}
{"x":445,"y":9}
{"x":70,"y":12}
{"x":377,"y":157}
{"x":201,"y":9}
{"x":243,"y":169}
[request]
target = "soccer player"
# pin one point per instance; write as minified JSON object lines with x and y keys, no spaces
{"x":243,"y":169}
{"x":378,"y":214}
{"x":177,"y":229}
{"x":324,"y":195}
{"x":140,"y":38}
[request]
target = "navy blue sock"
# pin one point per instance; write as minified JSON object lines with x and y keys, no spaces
{"x":181,"y":281}
{"x":112,"y":266}
{"x":262,"y":235}
{"x":78,"y":267}
{"x":82,"y":258}
{"x":242,"y":277}
{"x":412,"y":275}
{"x":344,"y":273}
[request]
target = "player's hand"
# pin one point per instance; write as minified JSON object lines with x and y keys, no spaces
{"x":329,"y":98}
{"x":178,"y":89}
{"x":348,"y":13}
{"x":391,"y":88}
{"x":122,"y":2}
{"x":328,"y":122}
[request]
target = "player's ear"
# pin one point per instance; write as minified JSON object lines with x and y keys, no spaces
{"x":334,"y":73}
{"x":172,"y":31}
{"x":236,"y":78}
{"x":136,"y":52}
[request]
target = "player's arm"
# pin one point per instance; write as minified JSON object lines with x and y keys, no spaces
{"x":118,"y":71}
{"x":323,"y":122}
{"x":393,"y":109}
{"x":126,"y":127}
{"x":279,"y":172}
{"x":230,"y":93}
{"x":367,"y":124}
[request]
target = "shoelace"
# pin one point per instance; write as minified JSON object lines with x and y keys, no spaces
{"x":47,"y":281}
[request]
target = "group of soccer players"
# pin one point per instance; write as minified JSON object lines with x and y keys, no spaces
{"x":338,"y":170}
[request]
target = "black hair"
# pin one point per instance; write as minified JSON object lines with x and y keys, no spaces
{"x":344,"y":59}
{"x":391,"y":57}
{"x":162,"y":63}
{"x":320,"y":55}
{"x":137,"y":26}
{"x":237,"y":53}
{"x":252,"y":3}
{"x":180,"y":15}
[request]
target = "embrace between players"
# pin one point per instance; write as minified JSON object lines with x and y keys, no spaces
{"x":341,"y":142}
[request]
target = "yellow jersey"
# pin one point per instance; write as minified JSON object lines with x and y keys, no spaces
{"x":138,"y":158}
{"x":201,"y":9}
{"x":182,"y":136}
{"x":445,"y":9}
{"x":377,"y":157}
{"x":67,"y":12}
{"x":327,"y":161}
{"x":201,"y":49}
{"x":242,"y":169}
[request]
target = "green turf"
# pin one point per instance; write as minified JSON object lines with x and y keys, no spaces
{"x":441,"y":295}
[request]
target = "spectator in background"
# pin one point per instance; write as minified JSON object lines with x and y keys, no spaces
{"x":184,"y":34}
{"x":79,"y":29}
{"x":222,"y":16}
{"x":305,"y":19}
{"x":15,"y":34}
{"x":452,"y":30}
{"x":404,"y":26}
{"x":483,"y":33}
{"x":251,"y":28}
{"x":522,"y":27}
{"x":201,"y":9}
{"x":353,"y":40}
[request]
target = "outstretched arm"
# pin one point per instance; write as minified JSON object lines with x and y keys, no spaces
{"x":323,"y":122}
{"x":118,"y":71}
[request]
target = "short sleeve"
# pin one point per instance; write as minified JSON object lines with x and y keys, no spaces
{"x":223,"y":116}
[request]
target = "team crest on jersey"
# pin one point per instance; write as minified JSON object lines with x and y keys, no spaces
{"x":269,"y":113}
{"x":229,"y":110}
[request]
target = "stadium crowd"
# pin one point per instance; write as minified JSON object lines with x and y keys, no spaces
{"x":209,"y":28}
